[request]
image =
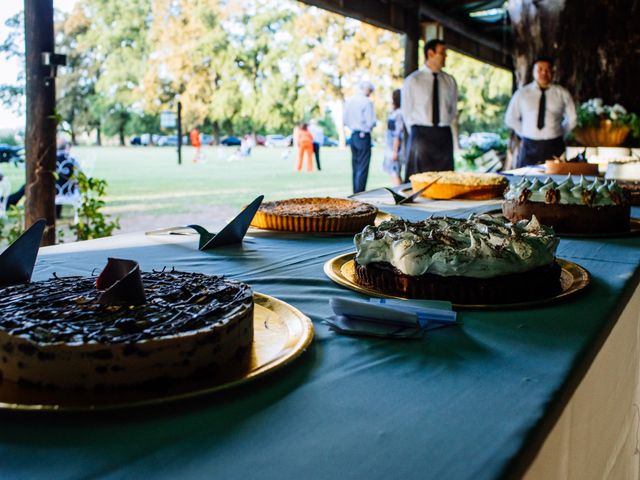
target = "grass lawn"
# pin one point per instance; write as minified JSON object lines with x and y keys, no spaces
{"x":148,"y":181}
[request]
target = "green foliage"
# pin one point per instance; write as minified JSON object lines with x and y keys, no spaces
{"x":12,"y":226}
{"x":484,"y":93}
{"x":593,"y":111}
{"x":92,"y":222}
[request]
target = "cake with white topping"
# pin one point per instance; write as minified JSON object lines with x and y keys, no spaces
{"x":482,"y":260}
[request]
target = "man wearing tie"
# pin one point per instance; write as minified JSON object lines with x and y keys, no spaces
{"x":541,"y":113}
{"x":360,"y":117}
{"x":429,"y":109}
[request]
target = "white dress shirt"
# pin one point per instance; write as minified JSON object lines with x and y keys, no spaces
{"x":359,"y":113}
{"x":316,"y":133}
{"x":522,"y":113}
{"x":417,"y":91}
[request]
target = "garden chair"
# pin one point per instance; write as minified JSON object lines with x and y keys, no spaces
{"x":67,"y":191}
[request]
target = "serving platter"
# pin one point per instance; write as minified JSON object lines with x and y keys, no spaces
{"x":281,"y":334}
{"x":573,"y":279}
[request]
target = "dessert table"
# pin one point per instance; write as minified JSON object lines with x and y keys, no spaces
{"x":543,"y":392}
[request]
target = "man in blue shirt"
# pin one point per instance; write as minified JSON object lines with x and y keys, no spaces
{"x":360,"y":118}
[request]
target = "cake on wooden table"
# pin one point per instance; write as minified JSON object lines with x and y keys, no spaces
{"x":463,"y":185}
{"x":315,"y":215}
{"x":581,"y":207}
{"x":481,"y":260}
{"x":59,"y":333}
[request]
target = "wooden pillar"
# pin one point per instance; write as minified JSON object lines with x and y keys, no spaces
{"x":40,"y":139}
{"x":411,"y":41}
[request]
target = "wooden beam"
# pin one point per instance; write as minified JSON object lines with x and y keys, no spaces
{"x":461,"y":28}
{"x":411,"y":42}
{"x":40,"y":139}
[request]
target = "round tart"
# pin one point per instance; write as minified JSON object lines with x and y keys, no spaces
{"x":464,"y":185}
{"x":315,"y":215}
{"x":56,"y":334}
{"x":482,"y":260}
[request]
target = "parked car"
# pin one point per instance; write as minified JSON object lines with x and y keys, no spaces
{"x":329,"y":142}
{"x":230,"y":141}
{"x":206,"y":139}
{"x":261,"y":140}
{"x":171,"y":141}
{"x":278,"y":141}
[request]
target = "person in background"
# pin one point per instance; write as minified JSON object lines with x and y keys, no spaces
{"x":393,"y":140}
{"x":305,"y":147}
{"x":429,"y":110}
{"x":246,"y":145}
{"x":360,"y":118}
{"x":194,"y":137}
{"x":540,"y":113}
{"x":318,"y":140}
{"x":66,"y":166}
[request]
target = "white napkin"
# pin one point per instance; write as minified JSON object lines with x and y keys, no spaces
{"x":389,"y":318}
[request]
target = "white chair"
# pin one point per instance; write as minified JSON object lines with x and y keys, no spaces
{"x":5,"y":191}
{"x":67,"y":191}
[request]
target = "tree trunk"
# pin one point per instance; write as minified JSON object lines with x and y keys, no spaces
{"x":216,"y":133}
{"x":98,"y":136}
{"x":121,"y":135}
{"x":595,"y":45}
{"x":40,"y":140}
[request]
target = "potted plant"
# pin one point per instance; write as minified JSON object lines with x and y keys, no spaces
{"x":602,"y":125}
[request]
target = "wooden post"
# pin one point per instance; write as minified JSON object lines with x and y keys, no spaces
{"x":179,"y":133}
{"x":40,"y":139}
{"x":411,"y":42}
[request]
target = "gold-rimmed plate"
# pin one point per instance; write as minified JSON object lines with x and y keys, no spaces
{"x":634,"y":229}
{"x":281,"y":334}
{"x":380,"y":217}
{"x":573,"y":279}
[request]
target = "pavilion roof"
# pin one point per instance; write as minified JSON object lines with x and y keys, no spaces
{"x":480,"y":29}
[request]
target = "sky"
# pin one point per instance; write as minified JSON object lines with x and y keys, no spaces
{"x":9,"y":69}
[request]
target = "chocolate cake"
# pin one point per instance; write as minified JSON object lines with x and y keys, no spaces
{"x":481,"y":260}
{"x":315,"y":215}
{"x":59,"y":333}
{"x":582,"y":207}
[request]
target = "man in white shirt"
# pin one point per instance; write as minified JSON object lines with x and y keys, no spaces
{"x":318,"y":139}
{"x":360,"y":117}
{"x":541,"y":113}
{"x":429,"y":110}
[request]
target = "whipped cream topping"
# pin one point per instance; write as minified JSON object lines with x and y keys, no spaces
{"x":483,"y":246}
{"x":567,"y":192}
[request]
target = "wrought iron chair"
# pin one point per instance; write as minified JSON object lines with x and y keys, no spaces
{"x":67,"y":191}
{"x":5,"y":190}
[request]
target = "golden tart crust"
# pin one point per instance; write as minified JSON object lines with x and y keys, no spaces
{"x":465,"y":185}
{"x":315,"y":215}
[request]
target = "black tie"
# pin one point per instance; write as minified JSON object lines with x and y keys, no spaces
{"x":541,"y":110}
{"x":435,"y":106}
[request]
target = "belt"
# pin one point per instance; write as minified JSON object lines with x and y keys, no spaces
{"x":358,"y":132}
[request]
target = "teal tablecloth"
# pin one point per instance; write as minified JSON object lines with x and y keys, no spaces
{"x":464,"y":403}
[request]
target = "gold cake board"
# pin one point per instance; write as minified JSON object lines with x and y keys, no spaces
{"x":573,"y":279}
{"x":281,"y":334}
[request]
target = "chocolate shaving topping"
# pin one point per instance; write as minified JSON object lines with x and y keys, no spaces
{"x":67,"y":309}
